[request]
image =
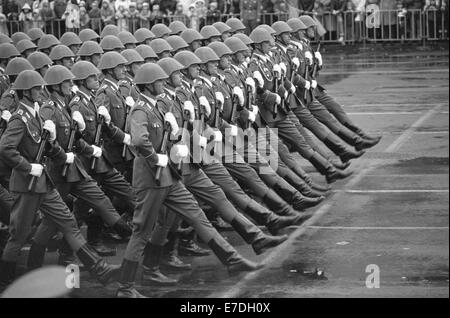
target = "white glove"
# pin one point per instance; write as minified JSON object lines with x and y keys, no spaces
{"x":251,"y":117}
{"x":292,"y":89}
{"x":318,"y":56}
{"x":102,"y":111}
{"x":181,"y":151}
{"x":278,"y":100}
{"x":257,"y":75}
{"x":6,"y":115}
{"x":75,"y":89}
{"x":237,"y":91}
{"x":313,"y":84}
{"x":309,"y":57}
{"x":188,"y":106}
{"x":296,"y":62}
{"x":129,"y":101}
{"x":277,"y":70}
{"x":78,"y":118}
{"x":127,"y":139}
{"x":220,"y":98}
{"x":97,"y":153}
{"x":217,"y":136}
{"x":70,"y":157}
{"x":233,"y":131}
{"x":255,"y":109}
{"x":36,"y":170}
{"x":283,"y":67}
{"x":307,"y":85}
{"x":251,"y":82}
{"x":204,"y":102}
{"x":51,"y":128}
{"x":162,"y":160}
{"x":170,"y":118}
{"x":202,"y":142}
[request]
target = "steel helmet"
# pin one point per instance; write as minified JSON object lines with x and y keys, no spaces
{"x":143,"y":34}
{"x":307,"y":21}
{"x":24,"y":45}
{"x":268,"y":28}
{"x":170,"y":65}
{"x":235,"y":45}
{"x":222,"y":27}
{"x":160,"y":46}
{"x":59,"y":52}
{"x":296,"y":24}
{"x":149,"y":73}
{"x":235,"y":25}
{"x":244,"y":38}
{"x":111,"y":42}
{"x":132,"y":56}
{"x":177,"y":27}
{"x":57,"y":74}
{"x":47,"y":41}
{"x":187,"y":58}
{"x":90,"y":48}
{"x":260,"y":35}
{"x":70,"y":38}
{"x":16,"y":37}
{"x":88,"y":35}
{"x":146,"y":51}
{"x":220,"y":49}
{"x":5,"y":39}
{"x":191,"y":35}
{"x":208,"y":31}
{"x":8,"y":50}
{"x":17,"y":65}
{"x":83,"y":69}
{"x":281,"y":27}
{"x":27,"y":80}
{"x":39,"y":60}
{"x":177,"y":42}
{"x":160,"y":30}
{"x":111,"y":60}
{"x":127,"y":38}
{"x":109,"y":29}
{"x":206,"y":54}
{"x":35,"y":34}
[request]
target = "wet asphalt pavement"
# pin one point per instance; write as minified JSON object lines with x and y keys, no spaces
{"x":392,"y":213}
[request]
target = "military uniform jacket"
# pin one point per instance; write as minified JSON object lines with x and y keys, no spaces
{"x":19,"y":146}
{"x":83,"y":102}
{"x":307,"y":47}
{"x":128,"y":88}
{"x":109,"y":96}
{"x":4,"y":82}
{"x":147,"y":127}
{"x":9,"y":101}
{"x":56,"y":111}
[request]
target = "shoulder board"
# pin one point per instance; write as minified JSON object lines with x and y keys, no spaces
{"x":141,"y":103}
{"x":12,"y":92}
{"x":20,"y":112}
{"x":104,"y":86}
{"x":74,"y":100}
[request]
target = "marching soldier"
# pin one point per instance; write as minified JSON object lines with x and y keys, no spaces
{"x":177,"y":27}
{"x":35,"y":34}
{"x":161,"y":47}
{"x":177,"y":43}
{"x":144,"y":36}
{"x":147,"y":53}
{"x":7,"y":53}
{"x":236,"y":26}
{"x":31,"y":184}
{"x":161,"y":31}
{"x":157,"y":185}
{"x":62,"y":55}
{"x":127,"y":87}
{"x":127,"y":39}
{"x":90,"y":51}
{"x":47,"y":42}
{"x":193,"y":38}
{"x":26,"y":47}
{"x":88,"y":35}
{"x":111,"y":43}
{"x":224,"y":29}
{"x":72,"y":41}
{"x":109,"y":29}
{"x":210,"y":34}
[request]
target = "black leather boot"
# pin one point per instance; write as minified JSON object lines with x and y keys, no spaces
{"x":188,"y":247}
{"x":350,"y":154}
{"x":334,"y":175}
{"x":253,"y":235}
{"x":363,"y":143}
{"x":335,"y":145}
{"x":320,"y":163}
{"x":360,"y":132}
{"x":94,"y":233}
{"x":229,"y":257}
{"x":170,"y":259}
{"x":339,"y":165}
{"x":344,"y":153}
{"x":355,"y":140}
{"x":36,"y":256}
{"x":301,"y":203}
{"x":282,"y":222}
{"x":220,"y":224}
{"x":321,"y":188}
{"x":103,"y":272}
{"x":67,"y":256}
{"x":126,"y":280}
{"x":152,"y":274}
{"x":7,"y":273}
{"x":122,"y":228}
{"x":276,"y":204}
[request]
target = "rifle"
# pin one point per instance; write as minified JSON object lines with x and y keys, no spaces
{"x":70,"y":145}
{"x":39,"y":157}
{"x":247,"y":105}
{"x":305,"y":94}
{"x":216,"y":123}
{"x":97,"y":141}
{"x":127,"y":111}
{"x":163,"y":151}
{"x":3,"y":125}
{"x":275,"y":106}
{"x":185,"y":125}
{"x":316,"y":65}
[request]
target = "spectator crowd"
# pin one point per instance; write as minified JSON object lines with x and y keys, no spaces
{"x":339,"y":17}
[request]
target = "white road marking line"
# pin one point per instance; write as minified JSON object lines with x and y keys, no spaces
{"x":383,"y":72}
{"x":396,"y":191}
{"x":379,"y":227}
{"x":431,"y":132}
{"x":400,"y":105}
{"x":384,"y":113}
{"x":279,"y":254}
{"x":408,"y":175}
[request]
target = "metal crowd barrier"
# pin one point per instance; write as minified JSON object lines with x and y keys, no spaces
{"x":346,"y":27}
